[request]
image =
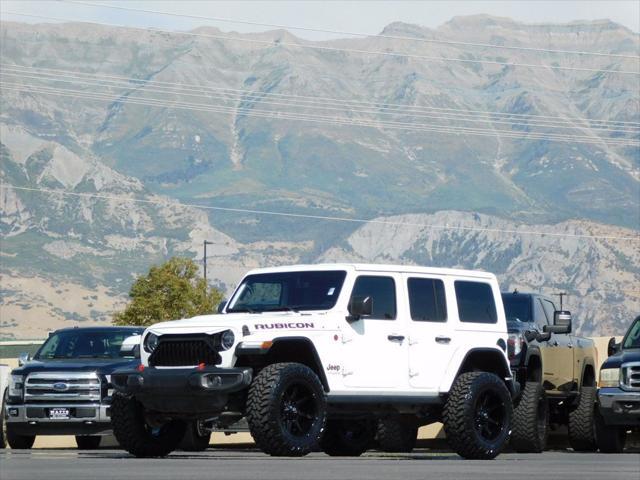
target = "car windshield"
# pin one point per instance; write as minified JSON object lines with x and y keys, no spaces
{"x":78,"y":343}
{"x":517,"y":308}
{"x":632,"y":338}
{"x":288,"y":291}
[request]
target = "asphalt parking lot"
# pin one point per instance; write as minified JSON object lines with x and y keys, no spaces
{"x":252,"y":464}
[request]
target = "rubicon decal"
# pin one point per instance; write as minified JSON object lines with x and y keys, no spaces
{"x":271,"y":326}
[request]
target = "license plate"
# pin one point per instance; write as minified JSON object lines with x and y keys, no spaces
{"x":59,"y":413}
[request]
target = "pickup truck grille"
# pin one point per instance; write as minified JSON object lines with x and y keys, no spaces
{"x":184,"y":352}
{"x":630,"y":376}
{"x":70,"y":387}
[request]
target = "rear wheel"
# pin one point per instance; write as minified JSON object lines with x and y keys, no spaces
{"x":86,"y":442}
{"x":609,"y":438}
{"x":196,"y":438}
{"x":286,"y":409}
{"x":19,"y":442}
{"x":530,"y":420}
{"x":397,"y":434}
{"x":347,"y":438}
{"x":477,"y":415}
{"x":582,"y":434}
{"x":137,"y":435}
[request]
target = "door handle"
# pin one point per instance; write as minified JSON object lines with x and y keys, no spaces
{"x":395,"y":338}
{"x":443,"y":340}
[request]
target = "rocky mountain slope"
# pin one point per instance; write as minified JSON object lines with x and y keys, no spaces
{"x":263,"y":122}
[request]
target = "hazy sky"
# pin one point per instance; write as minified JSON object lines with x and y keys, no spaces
{"x":355,"y":16}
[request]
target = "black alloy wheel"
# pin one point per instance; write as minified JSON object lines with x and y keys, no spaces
{"x":299,"y":409}
{"x":490,"y":415}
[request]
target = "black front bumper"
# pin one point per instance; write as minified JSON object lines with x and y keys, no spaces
{"x":619,"y":407}
{"x":182,"y":391}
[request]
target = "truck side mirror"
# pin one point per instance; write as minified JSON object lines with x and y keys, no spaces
{"x":23,"y":358}
{"x":612,"y":347}
{"x":221,"y":306}
{"x":359,"y":306}
{"x":561,"y":322}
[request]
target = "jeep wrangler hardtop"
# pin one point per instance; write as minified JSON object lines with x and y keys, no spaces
{"x":330,"y":356}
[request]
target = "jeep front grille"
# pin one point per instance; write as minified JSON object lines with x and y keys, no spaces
{"x":174,"y":351}
{"x":70,"y":387}
{"x":630,"y":376}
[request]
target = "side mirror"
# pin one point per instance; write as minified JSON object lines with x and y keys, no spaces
{"x":612,"y":347}
{"x":561,"y":322}
{"x":23,"y":358}
{"x":359,"y":306}
{"x":221,"y":306}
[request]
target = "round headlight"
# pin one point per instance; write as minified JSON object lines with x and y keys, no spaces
{"x":151,"y":342}
{"x":227,"y":339}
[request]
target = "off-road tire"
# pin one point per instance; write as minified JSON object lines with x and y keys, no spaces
{"x":19,"y":442}
{"x":582,"y":432}
{"x":609,"y":438}
{"x":471,"y":394}
{"x":531,"y":420}
{"x":270,"y":408}
{"x":397,"y":434}
{"x":347,"y":438}
{"x":88,"y":442}
{"x":131,"y":431}
{"x":195,"y":439}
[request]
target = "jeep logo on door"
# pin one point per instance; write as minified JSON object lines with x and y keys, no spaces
{"x":60,"y":386}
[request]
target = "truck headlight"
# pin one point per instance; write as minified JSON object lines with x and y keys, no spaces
{"x":150,"y":342}
{"x":227,"y":339}
{"x":16,"y":386}
{"x":609,"y":377}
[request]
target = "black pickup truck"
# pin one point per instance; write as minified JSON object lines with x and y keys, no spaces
{"x":619,"y":393}
{"x":65,"y":389}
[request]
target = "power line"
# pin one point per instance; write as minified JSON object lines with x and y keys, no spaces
{"x":356,"y":34}
{"x":319,"y":217}
{"x":335,"y":49}
{"x":186,"y":89}
{"x":314,"y":100}
{"x":336,"y":120}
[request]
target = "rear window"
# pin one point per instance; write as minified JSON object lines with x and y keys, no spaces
{"x":427,"y":300}
{"x":517,"y":308}
{"x":475,"y":302}
{"x":382,"y":291}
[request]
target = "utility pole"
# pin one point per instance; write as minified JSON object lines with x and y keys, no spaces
{"x":561,"y":295}
{"x":204,"y":258}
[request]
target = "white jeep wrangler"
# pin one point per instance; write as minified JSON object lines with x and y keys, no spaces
{"x":329,"y":356}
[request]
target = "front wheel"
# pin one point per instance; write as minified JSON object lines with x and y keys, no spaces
{"x":19,"y":442}
{"x":286,"y":409}
{"x":136,"y":435}
{"x":582,"y":434}
{"x":531,"y":420}
{"x":88,"y":442}
{"x":610,"y":438}
{"x":477,"y":415}
{"x":347,"y":438}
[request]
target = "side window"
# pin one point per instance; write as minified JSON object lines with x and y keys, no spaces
{"x":475,"y":302}
{"x":427,"y":300}
{"x":382,"y":291}
{"x":549,"y":309}
{"x":539,"y":315}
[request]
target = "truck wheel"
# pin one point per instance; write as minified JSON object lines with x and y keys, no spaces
{"x":136,"y":436}
{"x":477,"y":415}
{"x":196,"y":438}
{"x":397,"y":434}
{"x":531,"y":420}
{"x":88,"y":442}
{"x":347,"y":438}
{"x":609,"y":438}
{"x":582,"y":435}
{"x":19,"y":442}
{"x":286,"y":409}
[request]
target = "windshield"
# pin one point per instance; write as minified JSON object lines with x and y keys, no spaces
{"x":70,"y":344}
{"x":517,"y":308}
{"x":632,"y":338}
{"x":282,"y":291}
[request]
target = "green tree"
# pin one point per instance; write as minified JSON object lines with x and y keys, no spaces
{"x":169,"y":291}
